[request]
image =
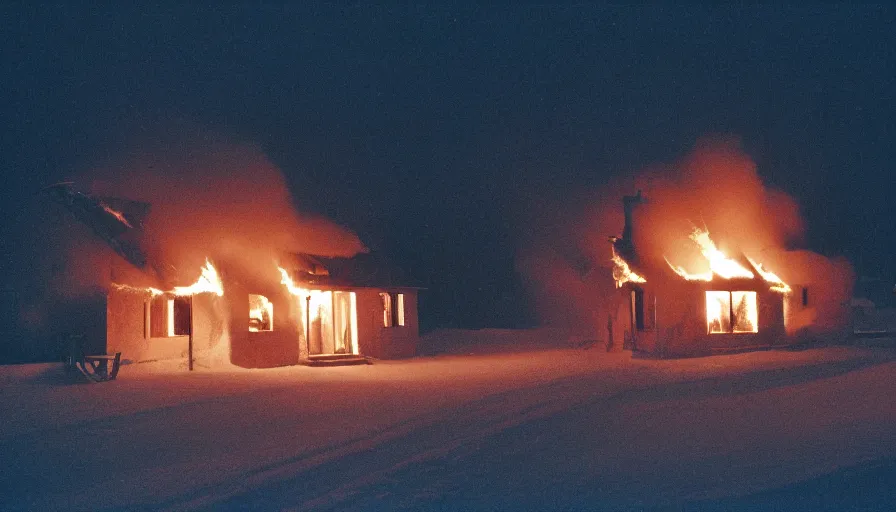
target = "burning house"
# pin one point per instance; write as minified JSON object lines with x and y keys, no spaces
{"x":731,"y":303}
{"x":295,"y":309}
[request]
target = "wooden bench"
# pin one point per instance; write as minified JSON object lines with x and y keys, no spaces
{"x":97,"y":368}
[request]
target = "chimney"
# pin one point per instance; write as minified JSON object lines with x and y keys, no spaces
{"x":625,"y":246}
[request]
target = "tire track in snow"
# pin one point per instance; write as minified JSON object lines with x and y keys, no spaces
{"x":418,"y":439}
{"x":461,"y":429}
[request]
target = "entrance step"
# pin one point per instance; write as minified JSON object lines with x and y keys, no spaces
{"x":336,"y":360}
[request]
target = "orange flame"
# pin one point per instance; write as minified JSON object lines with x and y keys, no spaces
{"x":778,"y":284}
{"x":316,"y":299}
{"x":261,"y":313}
{"x":128,"y":288}
{"x":209,"y":282}
{"x":722,"y":266}
{"x":290,"y":285}
{"x":717,"y":311}
{"x":706,"y":276}
{"x":719,"y":264}
{"x":622,"y":273}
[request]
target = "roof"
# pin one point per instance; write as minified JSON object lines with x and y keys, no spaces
{"x":117,"y":221}
{"x":364,"y":270}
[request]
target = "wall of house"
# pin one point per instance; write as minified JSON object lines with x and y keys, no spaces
{"x":375,"y":340}
{"x":618,"y":329}
{"x":266,"y":349}
{"x":681,"y":321}
{"x":211,"y":330}
{"x":126,"y":330}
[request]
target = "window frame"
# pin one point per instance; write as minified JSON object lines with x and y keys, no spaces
{"x":267,"y":306}
{"x":393,"y":309}
{"x":732,"y":317}
{"x":172,"y":309}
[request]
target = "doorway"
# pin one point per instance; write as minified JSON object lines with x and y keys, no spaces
{"x":331,"y":322}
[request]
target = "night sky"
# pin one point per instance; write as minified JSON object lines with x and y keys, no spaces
{"x":428,"y":130}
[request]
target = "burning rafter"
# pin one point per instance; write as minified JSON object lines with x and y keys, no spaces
{"x":315,"y":299}
{"x":290,"y":285}
{"x":706,"y":276}
{"x":622,"y":273}
{"x":778,"y":284}
{"x":209,"y":282}
{"x":108,"y":223}
{"x":723,"y":266}
{"x":719,"y":263}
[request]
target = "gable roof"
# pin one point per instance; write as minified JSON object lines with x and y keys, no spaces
{"x":117,"y":221}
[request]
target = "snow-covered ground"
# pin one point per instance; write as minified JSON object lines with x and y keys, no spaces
{"x":570,"y":428}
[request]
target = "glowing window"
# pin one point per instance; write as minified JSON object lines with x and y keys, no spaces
{"x":399,"y":310}
{"x":731,"y":312}
{"x":387,"y":309}
{"x":168,"y":316}
{"x":393,"y":309}
{"x":261,"y":314}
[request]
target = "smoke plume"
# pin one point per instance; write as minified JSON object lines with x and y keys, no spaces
{"x":716,"y":187}
{"x":211,"y":198}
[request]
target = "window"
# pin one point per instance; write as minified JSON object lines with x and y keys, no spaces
{"x":393,"y":309}
{"x":168,"y":316}
{"x":261,"y":313}
{"x":805,"y":296}
{"x":387,"y":309}
{"x":731,"y":312}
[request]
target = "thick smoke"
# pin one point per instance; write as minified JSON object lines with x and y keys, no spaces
{"x":214,"y":199}
{"x":716,"y":187}
{"x":209,"y":198}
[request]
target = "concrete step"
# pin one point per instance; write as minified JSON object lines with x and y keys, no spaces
{"x":335,"y":360}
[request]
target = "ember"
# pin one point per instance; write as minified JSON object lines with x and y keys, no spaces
{"x":115,"y":213}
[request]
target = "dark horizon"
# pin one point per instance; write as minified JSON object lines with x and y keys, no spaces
{"x":434,"y":132}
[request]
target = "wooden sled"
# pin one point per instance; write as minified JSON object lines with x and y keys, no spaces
{"x":97,"y":368}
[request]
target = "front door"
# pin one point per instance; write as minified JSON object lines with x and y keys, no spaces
{"x":332,"y":323}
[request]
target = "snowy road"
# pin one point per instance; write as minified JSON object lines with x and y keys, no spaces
{"x":563,"y":429}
